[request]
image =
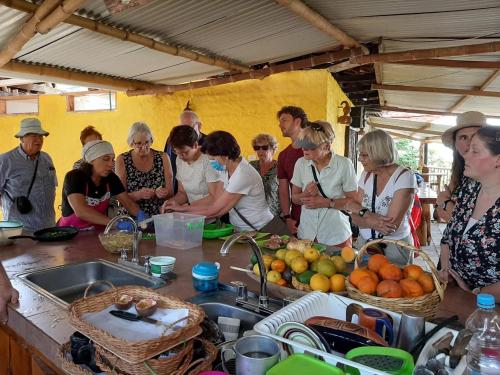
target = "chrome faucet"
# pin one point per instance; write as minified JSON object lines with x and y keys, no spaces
{"x":135,"y":243}
{"x":224,"y":250}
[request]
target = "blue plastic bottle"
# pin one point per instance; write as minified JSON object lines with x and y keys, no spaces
{"x":483,"y":352}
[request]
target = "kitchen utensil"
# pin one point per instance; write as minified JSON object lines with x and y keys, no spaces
{"x":417,"y":347}
{"x":459,"y":347}
{"x":411,"y":329}
{"x":443,"y":344}
{"x":144,"y":223}
{"x":133,"y":317}
{"x":210,"y":231}
{"x":254,"y":355}
{"x":205,"y":276}
{"x":301,"y":333}
{"x":9,"y":229}
{"x":240,"y":269}
{"x":230,"y":327}
{"x":373,"y":319}
{"x":51,"y":234}
{"x":343,"y":336}
{"x":299,"y":364}
{"x":391,"y":360}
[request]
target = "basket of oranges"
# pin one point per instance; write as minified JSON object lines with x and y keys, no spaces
{"x":388,"y":286}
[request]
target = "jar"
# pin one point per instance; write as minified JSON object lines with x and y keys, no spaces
{"x":206,"y":276}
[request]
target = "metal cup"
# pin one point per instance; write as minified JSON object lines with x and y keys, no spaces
{"x":254,"y":355}
{"x":411,"y":330}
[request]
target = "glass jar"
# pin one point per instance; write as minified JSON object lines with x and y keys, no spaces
{"x":206,"y":276}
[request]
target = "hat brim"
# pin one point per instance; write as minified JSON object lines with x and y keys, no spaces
{"x":23,"y":133}
{"x":305,"y":144}
{"x":448,"y":136}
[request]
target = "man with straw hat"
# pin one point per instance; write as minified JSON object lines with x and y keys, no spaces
{"x":28,"y":179}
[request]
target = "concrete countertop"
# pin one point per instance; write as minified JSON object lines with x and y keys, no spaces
{"x":44,"y":324}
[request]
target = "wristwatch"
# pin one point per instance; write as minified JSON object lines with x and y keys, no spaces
{"x":362,"y":212}
{"x":445,"y":203}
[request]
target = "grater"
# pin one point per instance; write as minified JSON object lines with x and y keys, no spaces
{"x":391,"y":360}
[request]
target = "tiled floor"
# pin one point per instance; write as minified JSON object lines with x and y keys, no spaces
{"x":434,"y":248}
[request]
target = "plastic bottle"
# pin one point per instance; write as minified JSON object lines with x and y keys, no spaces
{"x":483,"y":351}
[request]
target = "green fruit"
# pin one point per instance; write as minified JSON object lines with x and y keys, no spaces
{"x":253,"y":259}
{"x":340,"y":265}
{"x":326,"y":267}
{"x":314,"y":266}
{"x":305,"y":277}
{"x":280,"y":254}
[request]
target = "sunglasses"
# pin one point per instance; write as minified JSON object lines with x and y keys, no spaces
{"x":257,"y":148}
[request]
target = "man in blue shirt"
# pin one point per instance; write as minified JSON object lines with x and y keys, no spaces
{"x":27,"y":171}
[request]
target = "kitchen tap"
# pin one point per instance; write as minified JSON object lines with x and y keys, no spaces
{"x":135,"y":243}
{"x":224,"y":250}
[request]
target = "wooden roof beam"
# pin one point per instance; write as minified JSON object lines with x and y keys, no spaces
{"x":132,"y":37}
{"x":430,"y":53}
{"x":425,"y":111}
{"x":375,"y":123}
{"x":320,"y":22}
{"x":462,"y":64}
{"x":437,"y":90}
{"x":483,"y":87}
{"x":402,"y":135}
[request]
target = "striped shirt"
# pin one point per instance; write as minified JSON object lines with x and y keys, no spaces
{"x":16,"y":172}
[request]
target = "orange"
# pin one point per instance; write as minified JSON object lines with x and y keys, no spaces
{"x":411,"y":288}
{"x":426,"y":282}
{"x":412,"y":271}
{"x":390,"y":272}
{"x":337,"y":283}
{"x":389,"y":289}
{"x":376,"y":261}
{"x":357,"y":275}
{"x":367,"y":285}
{"x":348,"y":254}
{"x":281,"y":282}
{"x":278,"y":265}
{"x":373,"y":275}
{"x":320,"y":282}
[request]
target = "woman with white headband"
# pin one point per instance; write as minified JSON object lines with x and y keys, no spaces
{"x":87,"y":190}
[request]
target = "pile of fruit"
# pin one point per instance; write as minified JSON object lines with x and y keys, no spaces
{"x":311,"y":268}
{"x":387,"y":280}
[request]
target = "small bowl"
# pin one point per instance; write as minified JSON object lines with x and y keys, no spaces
{"x":8,"y":229}
{"x":124,"y":302}
{"x":146,"y":306}
{"x":114,"y":242}
{"x":211,"y":231}
{"x":161,"y":265}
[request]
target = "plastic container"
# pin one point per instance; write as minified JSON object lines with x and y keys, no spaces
{"x":179,"y":230}
{"x":205,"y":276}
{"x":161,"y":265}
{"x":7,"y":229}
{"x":211,"y":231}
{"x":299,"y":364}
{"x":483,"y":351}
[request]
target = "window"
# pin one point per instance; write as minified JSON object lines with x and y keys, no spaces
{"x":14,"y":105}
{"x":91,"y":102}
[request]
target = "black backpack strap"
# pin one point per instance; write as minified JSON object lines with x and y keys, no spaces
{"x":374,"y":193}
{"x":34,"y":176}
{"x":317,"y":182}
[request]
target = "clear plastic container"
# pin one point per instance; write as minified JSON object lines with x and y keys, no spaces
{"x":205,"y":276}
{"x":179,"y":230}
{"x":483,"y":351}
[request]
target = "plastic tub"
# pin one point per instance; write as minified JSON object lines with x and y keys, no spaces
{"x":7,"y":229}
{"x":161,"y":265}
{"x":211,"y":231}
{"x":179,"y":230}
{"x":206,"y":276}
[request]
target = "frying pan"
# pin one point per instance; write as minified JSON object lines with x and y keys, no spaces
{"x":51,"y":234}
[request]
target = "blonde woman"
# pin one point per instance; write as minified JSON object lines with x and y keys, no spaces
{"x":321,"y":181}
{"x":265,"y":146}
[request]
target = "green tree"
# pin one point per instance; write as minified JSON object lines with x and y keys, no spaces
{"x":408,"y":153}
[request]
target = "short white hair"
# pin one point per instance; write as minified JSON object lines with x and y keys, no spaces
{"x":193,"y":115}
{"x":137,"y":128}
{"x":380,"y":147}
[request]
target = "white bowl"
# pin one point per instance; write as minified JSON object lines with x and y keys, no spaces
{"x":161,"y":265}
{"x":7,"y":229}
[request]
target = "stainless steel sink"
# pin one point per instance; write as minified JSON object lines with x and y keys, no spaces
{"x":64,"y":284}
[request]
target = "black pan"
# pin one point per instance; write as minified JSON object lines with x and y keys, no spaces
{"x":51,"y":234}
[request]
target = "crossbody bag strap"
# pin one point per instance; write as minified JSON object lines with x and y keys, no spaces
{"x":317,"y":182}
{"x":244,"y":219}
{"x":34,"y":176}
{"x":374,"y":193}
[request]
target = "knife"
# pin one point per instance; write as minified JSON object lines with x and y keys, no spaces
{"x":134,"y":317}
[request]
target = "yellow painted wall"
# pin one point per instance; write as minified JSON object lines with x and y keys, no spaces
{"x":244,"y":108}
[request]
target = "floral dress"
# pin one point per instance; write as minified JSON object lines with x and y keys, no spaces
{"x":153,"y":178}
{"x":270,"y":181}
{"x":475,"y":254}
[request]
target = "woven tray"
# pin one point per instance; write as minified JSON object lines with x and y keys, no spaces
{"x":67,"y":363}
{"x":110,"y":363}
{"x":426,"y":304}
{"x":201,"y":364}
{"x":142,"y":350}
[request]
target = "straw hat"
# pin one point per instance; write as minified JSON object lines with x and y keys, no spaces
{"x":30,"y":126}
{"x":464,"y":120}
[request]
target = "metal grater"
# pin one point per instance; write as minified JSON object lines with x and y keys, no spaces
{"x":380,"y":362}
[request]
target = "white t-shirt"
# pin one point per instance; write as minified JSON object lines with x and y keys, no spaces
{"x":326,"y":225}
{"x":252,"y":205}
{"x":196,"y":176}
{"x":399,"y":180}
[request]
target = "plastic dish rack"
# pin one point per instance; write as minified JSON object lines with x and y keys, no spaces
{"x":333,"y":306}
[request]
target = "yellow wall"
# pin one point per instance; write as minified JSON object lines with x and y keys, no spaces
{"x":244,"y":108}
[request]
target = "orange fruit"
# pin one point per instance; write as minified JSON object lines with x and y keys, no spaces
{"x":411,"y":288}
{"x":357,"y":275}
{"x":367,"y":285}
{"x":281,"y":282}
{"x":376,"y":261}
{"x":390,"y":272}
{"x":320,"y":282}
{"x":426,"y":282}
{"x":373,"y":275}
{"x":389,"y":289}
{"x":278,"y":265}
{"x":337,"y":283}
{"x":348,"y":254}
{"x":412,"y":271}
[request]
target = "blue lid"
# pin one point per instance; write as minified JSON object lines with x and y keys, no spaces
{"x":485,"y":301}
{"x":206,"y":269}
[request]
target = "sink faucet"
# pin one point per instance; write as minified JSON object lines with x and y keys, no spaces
{"x":135,"y":243}
{"x":224,"y":250}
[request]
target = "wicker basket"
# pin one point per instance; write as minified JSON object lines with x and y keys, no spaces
{"x":108,"y":362}
{"x":201,"y":364}
{"x":426,"y":304}
{"x":67,"y":363}
{"x":139,"y":351}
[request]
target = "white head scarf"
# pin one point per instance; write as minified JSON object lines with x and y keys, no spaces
{"x":95,"y":149}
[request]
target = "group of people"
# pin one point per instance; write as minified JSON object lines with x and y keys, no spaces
{"x":309,"y":191}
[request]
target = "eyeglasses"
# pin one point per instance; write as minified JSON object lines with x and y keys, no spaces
{"x":141,"y":144}
{"x":257,"y":148}
{"x":315,"y":126}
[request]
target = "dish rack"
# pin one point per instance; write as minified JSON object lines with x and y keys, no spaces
{"x":333,"y":306}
